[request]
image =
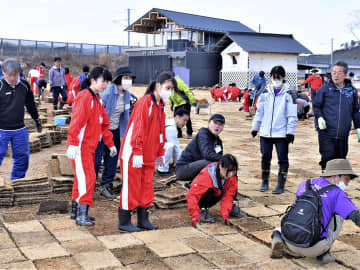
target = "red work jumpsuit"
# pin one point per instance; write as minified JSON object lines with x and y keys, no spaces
{"x":200,"y":186}
{"x":73,"y":90}
{"x":89,"y":122}
{"x":145,"y":135}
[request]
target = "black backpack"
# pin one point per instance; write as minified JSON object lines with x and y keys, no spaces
{"x":301,"y":225}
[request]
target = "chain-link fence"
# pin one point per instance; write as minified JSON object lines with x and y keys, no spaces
{"x":21,"y":47}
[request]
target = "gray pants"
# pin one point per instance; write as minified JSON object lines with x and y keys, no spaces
{"x":322,"y":246}
{"x":189,"y":171}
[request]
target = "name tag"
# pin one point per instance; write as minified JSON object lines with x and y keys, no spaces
{"x":8,"y":93}
{"x":161,"y":138}
{"x":217,"y":149}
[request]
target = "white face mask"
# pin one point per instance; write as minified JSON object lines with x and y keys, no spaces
{"x":165,"y":94}
{"x":277,"y":83}
{"x":342,"y":185}
{"x":126,"y":84}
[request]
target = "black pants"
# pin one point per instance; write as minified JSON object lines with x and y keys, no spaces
{"x":282,"y":150}
{"x":332,"y":148}
{"x":209,"y":199}
{"x":56,"y":90}
{"x":189,"y":130}
{"x":190,"y":171}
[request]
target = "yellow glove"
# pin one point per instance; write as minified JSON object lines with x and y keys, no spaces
{"x":322,"y":123}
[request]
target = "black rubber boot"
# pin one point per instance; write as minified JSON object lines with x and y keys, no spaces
{"x":235,"y":211}
{"x":82,"y":218}
{"x":74,"y":207}
{"x":265,"y":180}
{"x":205,"y":216}
{"x":143,"y":219}
{"x":62,"y":103}
{"x":281,"y":183}
{"x":125,"y":221}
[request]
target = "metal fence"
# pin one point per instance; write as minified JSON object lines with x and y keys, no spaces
{"x":21,"y":47}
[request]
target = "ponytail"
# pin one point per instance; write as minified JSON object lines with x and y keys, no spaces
{"x":85,"y":84}
{"x":151,"y":87}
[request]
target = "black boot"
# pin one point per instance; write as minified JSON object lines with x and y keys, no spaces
{"x":55,"y":107}
{"x":62,"y":103}
{"x":281,"y":183}
{"x":125,"y":221}
{"x":205,"y":216}
{"x":143,"y":219}
{"x":82,"y":218}
{"x":235,"y":211}
{"x":74,"y":207}
{"x":265,"y":180}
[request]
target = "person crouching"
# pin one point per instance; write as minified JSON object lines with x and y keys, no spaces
{"x":216,"y":182}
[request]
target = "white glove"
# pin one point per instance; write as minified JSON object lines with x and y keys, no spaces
{"x":138,"y":161}
{"x":113,"y":151}
{"x":72,"y":151}
{"x":322,"y":123}
{"x":160,"y":161}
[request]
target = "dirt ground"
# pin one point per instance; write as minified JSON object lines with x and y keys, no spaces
{"x":32,"y":241}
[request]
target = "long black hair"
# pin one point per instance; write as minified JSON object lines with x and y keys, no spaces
{"x":227,"y":162}
{"x":161,"y":78}
{"x":96,"y":72}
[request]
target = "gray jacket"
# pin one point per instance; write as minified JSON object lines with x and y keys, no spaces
{"x":276,"y":116}
{"x":57,"y":77}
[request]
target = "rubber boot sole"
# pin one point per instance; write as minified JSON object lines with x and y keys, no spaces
{"x":277,"y":251}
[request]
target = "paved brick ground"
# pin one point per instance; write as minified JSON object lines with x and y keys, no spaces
{"x":55,"y":242}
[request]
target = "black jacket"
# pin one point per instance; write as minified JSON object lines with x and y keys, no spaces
{"x":338,"y":108}
{"x":202,"y":146}
{"x":12,"y":103}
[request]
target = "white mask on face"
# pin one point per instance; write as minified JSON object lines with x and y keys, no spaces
{"x":165,"y":94}
{"x":126,"y":84}
{"x":342,"y":185}
{"x":277,"y":83}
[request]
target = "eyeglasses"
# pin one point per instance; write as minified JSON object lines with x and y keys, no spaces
{"x":337,"y":73}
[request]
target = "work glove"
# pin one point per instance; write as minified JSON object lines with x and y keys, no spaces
{"x":38,"y":125}
{"x":226,"y":221}
{"x":113,"y":151}
{"x":138,"y":161}
{"x":290,"y":138}
{"x":321,"y":123}
{"x":358,"y":134}
{"x":72,"y":151}
{"x":254,"y":133}
{"x":195,"y":221}
{"x":160,"y":161}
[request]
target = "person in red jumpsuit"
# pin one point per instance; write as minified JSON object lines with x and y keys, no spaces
{"x":40,"y":68}
{"x":216,"y":182}
{"x":141,"y":150}
{"x":73,"y":90}
{"x":68,"y":77}
{"x":89,"y":123}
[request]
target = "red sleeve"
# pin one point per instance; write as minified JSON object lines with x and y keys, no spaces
{"x":198,"y":188}
{"x":70,"y":99}
{"x":307,"y":80}
{"x":80,"y":115}
{"x":140,"y":121}
{"x":107,"y":135}
{"x":228,"y":198}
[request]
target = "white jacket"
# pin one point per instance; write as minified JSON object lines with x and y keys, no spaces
{"x":276,"y":116}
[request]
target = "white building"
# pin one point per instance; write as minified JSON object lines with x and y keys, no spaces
{"x":245,"y":54}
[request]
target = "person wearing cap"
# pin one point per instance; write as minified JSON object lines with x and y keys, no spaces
{"x":336,"y":207}
{"x":336,"y":106}
{"x":276,"y":119}
{"x":316,"y":82}
{"x":259,"y":84}
{"x":116,"y":99}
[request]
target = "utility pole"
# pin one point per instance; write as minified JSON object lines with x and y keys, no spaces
{"x":331,"y":55}
{"x":128,"y":26}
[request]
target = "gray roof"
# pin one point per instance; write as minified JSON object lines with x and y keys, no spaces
{"x":197,"y":22}
{"x":274,"y":43}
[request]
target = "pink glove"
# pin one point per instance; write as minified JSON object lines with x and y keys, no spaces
{"x":160,"y":161}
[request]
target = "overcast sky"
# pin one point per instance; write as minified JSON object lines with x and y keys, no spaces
{"x":312,"y":22}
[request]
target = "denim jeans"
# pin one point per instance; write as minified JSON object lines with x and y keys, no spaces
{"x":282,"y":150}
{"x":110,"y":163}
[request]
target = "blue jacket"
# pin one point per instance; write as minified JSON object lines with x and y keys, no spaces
{"x":276,"y":116}
{"x":110,"y":97}
{"x":1,"y":74}
{"x":259,"y":84}
{"x":338,"y":108}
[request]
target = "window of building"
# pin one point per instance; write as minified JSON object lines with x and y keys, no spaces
{"x":234,"y":60}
